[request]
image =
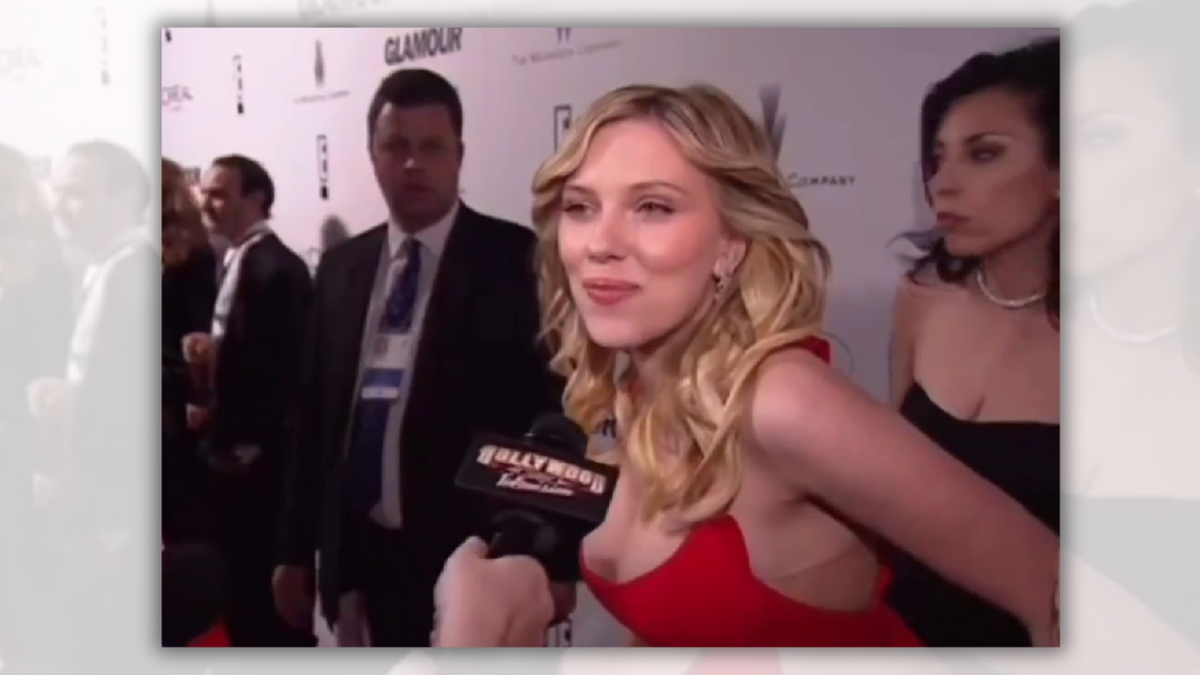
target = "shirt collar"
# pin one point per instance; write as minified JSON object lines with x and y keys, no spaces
{"x":433,"y":238}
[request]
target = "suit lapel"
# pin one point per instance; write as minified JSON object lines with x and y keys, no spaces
{"x":451,"y":291}
{"x":359,"y":286}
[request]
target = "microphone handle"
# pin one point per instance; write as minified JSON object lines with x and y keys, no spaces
{"x":522,"y":533}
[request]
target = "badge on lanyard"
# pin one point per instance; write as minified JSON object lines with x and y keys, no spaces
{"x":386,"y":363}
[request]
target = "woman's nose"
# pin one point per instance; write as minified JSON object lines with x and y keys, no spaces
{"x":609,"y":238}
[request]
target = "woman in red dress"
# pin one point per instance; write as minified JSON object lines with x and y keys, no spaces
{"x":756,"y":480}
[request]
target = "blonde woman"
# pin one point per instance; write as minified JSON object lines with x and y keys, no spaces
{"x":751,"y":469}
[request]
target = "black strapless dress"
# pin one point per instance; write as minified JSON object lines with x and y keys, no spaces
{"x":1021,"y":458}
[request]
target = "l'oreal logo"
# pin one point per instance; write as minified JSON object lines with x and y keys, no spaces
{"x":531,"y":472}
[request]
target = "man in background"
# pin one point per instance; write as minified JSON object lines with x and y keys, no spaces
{"x":249,"y":362}
{"x":97,"y":414}
{"x":424,"y":333}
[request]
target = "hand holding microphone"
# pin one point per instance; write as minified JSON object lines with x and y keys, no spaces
{"x":484,"y":601}
{"x":499,"y":594}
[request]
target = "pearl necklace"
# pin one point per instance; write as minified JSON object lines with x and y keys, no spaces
{"x":1093,"y":305}
{"x":1019,"y":303}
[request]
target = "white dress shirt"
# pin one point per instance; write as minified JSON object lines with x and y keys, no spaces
{"x":432,"y":242}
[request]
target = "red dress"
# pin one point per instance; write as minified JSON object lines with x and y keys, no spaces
{"x":706,"y":595}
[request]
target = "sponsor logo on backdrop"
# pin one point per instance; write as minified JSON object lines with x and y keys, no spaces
{"x":176,"y":97}
{"x":323,"y":166}
{"x":239,"y":85}
{"x":562,"y":123}
{"x":426,"y":43}
{"x":18,"y":62}
{"x":319,"y":76}
{"x":774,"y":121}
{"x":191,"y":174}
{"x":568,"y":43}
{"x":167,"y":37}
{"x":102,"y":27}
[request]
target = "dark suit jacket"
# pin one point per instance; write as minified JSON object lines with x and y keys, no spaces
{"x":258,"y":359}
{"x":479,"y":368}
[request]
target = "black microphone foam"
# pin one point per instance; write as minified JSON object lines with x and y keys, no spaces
{"x":555,"y":495}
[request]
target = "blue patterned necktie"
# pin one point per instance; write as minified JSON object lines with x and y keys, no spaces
{"x":380,"y":388}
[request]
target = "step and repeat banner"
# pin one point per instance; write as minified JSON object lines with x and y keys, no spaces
{"x":844,"y":103}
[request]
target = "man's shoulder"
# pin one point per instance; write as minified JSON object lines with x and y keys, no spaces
{"x":351,"y":251}
{"x":502,"y":230}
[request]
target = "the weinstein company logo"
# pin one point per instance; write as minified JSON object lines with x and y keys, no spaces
{"x":239,"y":84}
{"x":562,"y":124}
{"x":167,"y":37}
{"x":774,"y":122}
{"x":565,"y":47}
{"x":102,"y":28}
{"x":323,"y":166}
{"x":192,"y":175}
{"x":530,"y":472}
{"x":564,"y":35}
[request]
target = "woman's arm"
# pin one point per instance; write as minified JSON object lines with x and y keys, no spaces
{"x":836,"y":443}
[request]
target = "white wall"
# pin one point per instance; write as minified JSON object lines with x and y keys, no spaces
{"x":850,"y":97}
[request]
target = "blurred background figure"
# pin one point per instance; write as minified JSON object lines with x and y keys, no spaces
{"x":189,"y":289}
{"x":35,"y":323}
{"x":1135,"y":207}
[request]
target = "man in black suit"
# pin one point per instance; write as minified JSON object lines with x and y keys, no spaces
{"x":424,"y":333}
{"x":249,"y":364}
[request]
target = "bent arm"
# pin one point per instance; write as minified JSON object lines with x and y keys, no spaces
{"x":870,"y":464}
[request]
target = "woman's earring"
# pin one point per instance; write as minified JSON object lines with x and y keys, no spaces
{"x":722,"y":282}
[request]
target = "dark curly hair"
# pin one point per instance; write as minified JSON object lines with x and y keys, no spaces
{"x":1032,"y":71}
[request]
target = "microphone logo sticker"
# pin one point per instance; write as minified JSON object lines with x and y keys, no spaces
{"x":530,"y":472}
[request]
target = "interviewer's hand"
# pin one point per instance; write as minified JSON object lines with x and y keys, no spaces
{"x":482,"y":602}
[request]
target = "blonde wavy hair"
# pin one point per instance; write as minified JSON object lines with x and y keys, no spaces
{"x":183,"y":231}
{"x":774,"y":299}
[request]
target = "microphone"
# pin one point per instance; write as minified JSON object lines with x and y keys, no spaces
{"x":555,"y":494}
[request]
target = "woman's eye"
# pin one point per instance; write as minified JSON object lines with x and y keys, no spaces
{"x":655,"y":208}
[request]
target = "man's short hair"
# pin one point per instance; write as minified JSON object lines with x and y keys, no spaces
{"x":254,"y":178}
{"x":414,"y":88}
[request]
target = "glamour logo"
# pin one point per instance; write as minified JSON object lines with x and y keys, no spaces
{"x":320,"y":74}
{"x":562,"y":123}
{"x":775,"y":124}
{"x":175,"y":97}
{"x":566,"y":48}
{"x":18,"y":60}
{"x":426,"y":43}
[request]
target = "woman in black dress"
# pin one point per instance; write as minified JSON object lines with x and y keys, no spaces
{"x":975,"y":350}
{"x":189,"y":289}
